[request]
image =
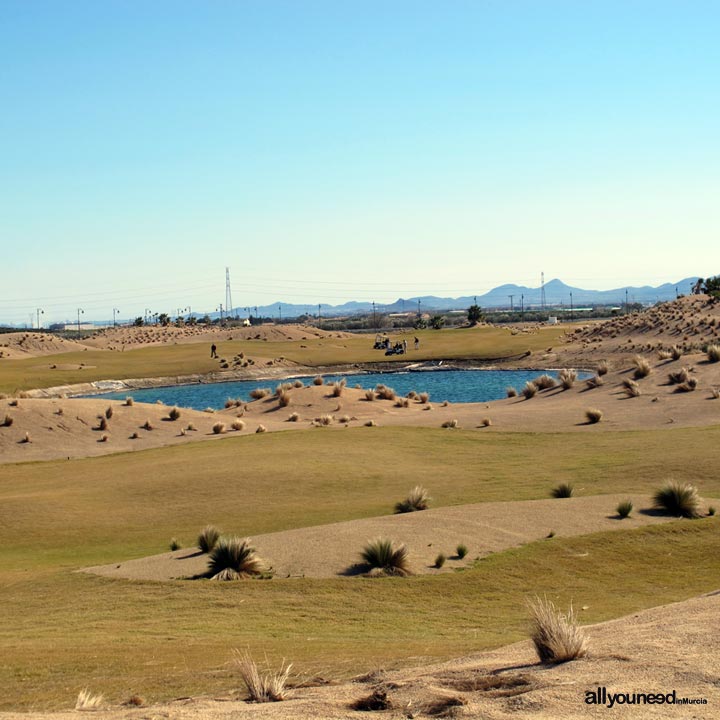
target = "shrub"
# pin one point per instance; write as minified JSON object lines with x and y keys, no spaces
{"x":556,"y":636}
{"x":711,"y":510}
{"x":486,"y":422}
{"x":13,"y":403}
{"x":208,"y":537}
{"x":385,"y":393}
{"x":147,"y":425}
{"x":593,"y":415}
{"x":103,"y":424}
{"x":259,"y":393}
{"x":417,"y":499}
{"x":402,"y":402}
{"x":602,"y":367}
{"x":104,"y":438}
{"x":108,"y":413}
{"x":238,"y":425}
{"x":631,"y":388}
{"x":282,"y":388}
{"x":713,"y":353}
{"x":268,"y":687}
{"x":715,"y":393}
{"x":678,"y":499}
{"x":530,"y":390}
{"x":294,"y":417}
{"x":461,"y":550}
{"x":381,"y":555}
{"x":369,"y":395}
{"x":337,"y":389}
{"x":450,"y":424}
{"x":298,"y":384}
{"x":370,"y":423}
{"x":134,"y":436}
{"x":544,"y":382}
{"x":680,"y":376}
{"x":642,"y":367}
{"x":676,"y":352}
{"x":567,"y":377}
{"x":174,"y":545}
{"x":440,"y":560}
{"x":191,"y":427}
{"x":423,"y":397}
{"x":174,"y":413}
{"x":284,"y":398}
{"x":344,"y":419}
{"x":624,"y":508}
{"x":688,"y":386}
{"x":129,"y":401}
{"x":87,"y":701}
{"x":260,"y":429}
{"x":233,"y":559}
{"x":563,"y":490}
{"x":318,"y":380}
{"x":594,"y":381}
{"x":8,"y":421}
{"x":218,"y":428}
{"x":511,"y":392}
{"x":324,"y":420}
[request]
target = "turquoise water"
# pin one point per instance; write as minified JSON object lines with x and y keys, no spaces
{"x":450,"y":385}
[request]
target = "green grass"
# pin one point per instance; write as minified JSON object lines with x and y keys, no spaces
{"x":65,"y":630}
{"x":185,"y":359}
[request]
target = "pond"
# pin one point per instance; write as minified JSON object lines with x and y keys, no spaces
{"x":451,"y":385}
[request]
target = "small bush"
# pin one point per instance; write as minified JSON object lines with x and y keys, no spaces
{"x":238,"y":425}
{"x":563,"y":490}
{"x":324,"y":420}
{"x":381,"y":555}
{"x":8,"y":421}
{"x":109,"y":413}
{"x":318,"y":380}
{"x":461,"y":550}
{"x":298,"y":384}
{"x":594,"y":381}
{"x":190,"y":427}
{"x":174,"y":545}
{"x":567,"y":377}
{"x":556,"y":636}
{"x":294,"y":417}
{"x":87,"y":701}
{"x":103,"y":424}
{"x":713,"y":353}
{"x":402,"y":402}
{"x":642,"y":367}
{"x":530,"y":390}
{"x":680,"y":376}
{"x":450,"y":424}
{"x":511,"y":392}
{"x":602,"y":368}
{"x":208,"y":537}
{"x":370,"y":423}
{"x":268,"y":687}
{"x":232,"y":558}
{"x":439,"y":560}
{"x":174,"y":413}
{"x":624,"y":508}
{"x":593,"y":415}
{"x":715,"y":393}
{"x":486,"y":422}
{"x":417,"y":499}
{"x":147,"y":425}
{"x":218,"y":428}
{"x":678,"y":499}
{"x":284,"y":398}
{"x":259,"y":393}
{"x":129,"y":401}
{"x":369,"y":395}
{"x":385,"y":393}
{"x":260,"y":429}
{"x":676,"y":352}
{"x":337,"y":389}
{"x":688,"y":386}
{"x":544,"y":382}
{"x":632,"y":389}
{"x":423,"y":397}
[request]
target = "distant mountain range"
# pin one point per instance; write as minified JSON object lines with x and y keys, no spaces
{"x":557,"y":293}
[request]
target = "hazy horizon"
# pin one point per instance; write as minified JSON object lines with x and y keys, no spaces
{"x":328,"y":153}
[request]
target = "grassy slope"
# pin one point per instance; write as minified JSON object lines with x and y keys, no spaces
{"x":475,"y":343}
{"x":63,"y":630}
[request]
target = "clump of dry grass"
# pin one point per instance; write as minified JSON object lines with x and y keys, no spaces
{"x":715,"y":393}
{"x":174,"y":413}
{"x":713,"y":353}
{"x":259,"y":393}
{"x":319,"y":380}
{"x":87,"y":701}
{"x":664,"y":354}
{"x":417,"y":499}
{"x":282,"y":388}
{"x":370,"y":423}
{"x":450,"y":424}
{"x":688,"y":386}
{"x":642,"y":367}
{"x":530,"y":390}
{"x":233,"y":558}
{"x":676,"y":352}
{"x":190,"y":427}
{"x":602,"y":367}
{"x":385,"y":393}
{"x":238,"y":425}
{"x":325,"y":420}
{"x":8,"y":421}
{"x":384,"y":558}
{"x":338,"y":387}
{"x":294,"y":417}
{"x":218,"y":428}
{"x":423,"y":397}
{"x":26,"y":438}
{"x":402,"y":402}
{"x":624,"y":509}
{"x":108,"y":412}
{"x":680,"y":376}
{"x":544,"y":382}
{"x":370,"y":395}
{"x":298,"y":384}
{"x":134,"y":436}
{"x":147,"y":425}
{"x":632,"y":389}
{"x":486,"y":422}
{"x":440,"y":559}
{"x":344,"y":419}
{"x":283,"y":398}
{"x":511,"y":392}
{"x":678,"y":499}
{"x":209,"y":410}
{"x":557,"y":636}
{"x":260,"y":429}
{"x":266,"y":687}
{"x":13,"y":403}
{"x":104,"y":438}
{"x":594,"y":381}
{"x":563,"y":490}
{"x":129,"y":401}
{"x":593,"y":415}
{"x":208,"y":538}
{"x":567,"y":378}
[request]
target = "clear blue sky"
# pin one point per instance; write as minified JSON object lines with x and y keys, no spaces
{"x":328,"y":151}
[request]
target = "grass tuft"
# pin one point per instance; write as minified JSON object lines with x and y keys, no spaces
{"x":593,"y":415}
{"x":678,"y":499}
{"x":218,"y":428}
{"x":423,"y":397}
{"x":563,"y":490}
{"x":87,"y":701}
{"x":174,"y":413}
{"x":601,"y":368}
{"x":631,"y":388}
{"x":450,"y":424}
{"x":129,"y":401}
{"x":511,"y":392}
{"x":544,"y":382}
{"x":688,"y":386}
{"x":713,"y":353}
{"x":624,"y":508}
{"x":383,"y":556}
{"x":294,"y":417}
{"x":238,"y":425}
{"x":642,"y":367}
{"x":259,"y":393}
{"x":233,"y":558}
{"x":530,"y":390}
{"x":8,"y":421}
{"x":260,"y":429}
{"x":557,"y":636}
{"x":318,"y":380}
{"x":567,"y":378}
{"x":417,"y":499}
{"x":461,"y":550}
{"x":439,"y":560}
{"x":208,"y":537}
{"x":262,"y":688}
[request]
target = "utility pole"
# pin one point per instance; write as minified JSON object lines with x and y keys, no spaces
{"x":280,"y":312}
{"x":522,"y":306}
{"x":374,"y":316}
{"x":39,"y":311}
{"x":115,"y":312}
{"x":79,"y":310}
{"x":319,"y":315}
{"x":626,"y":301}
{"x":221,"y":313}
{"x":542,"y":290}
{"x":511,"y":302}
{"x":228,"y":293}
{"x":571,"y":308}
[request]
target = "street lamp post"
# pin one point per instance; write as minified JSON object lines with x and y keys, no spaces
{"x":79,"y":312}
{"x":39,"y":311}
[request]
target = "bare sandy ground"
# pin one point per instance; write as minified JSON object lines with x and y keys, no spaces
{"x":661,"y":650}
{"x":334,"y":549}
